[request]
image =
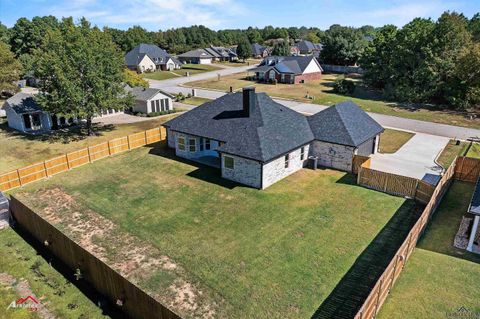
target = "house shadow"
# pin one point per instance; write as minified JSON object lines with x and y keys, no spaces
{"x":202,"y":172}
{"x":63,"y":135}
{"x":108,"y":308}
{"x":348,"y":179}
{"x":352,"y":290}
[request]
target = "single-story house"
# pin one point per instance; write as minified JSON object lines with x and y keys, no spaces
{"x":148,"y":100}
{"x":149,"y":57}
{"x":256,"y":141}
{"x":24,"y":114}
{"x":306,"y":47}
{"x":288,"y":69}
{"x":222,"y":53}
{"x":259,"y":51}
{"x":198,"y":56}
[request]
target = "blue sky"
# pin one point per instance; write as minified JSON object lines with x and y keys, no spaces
{"x":220,"y":14}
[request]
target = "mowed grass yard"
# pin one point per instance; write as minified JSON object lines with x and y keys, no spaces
{"x":392,"y":140}
{"x":23,"y":272}
{"x":322,"y":91}
{"x":191,"y":68}
{"x":276,"y":253}
{"x":19,"y":150}
{"x":438,"y":278}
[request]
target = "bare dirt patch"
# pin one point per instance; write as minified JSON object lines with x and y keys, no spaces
{"x":131,"y":257}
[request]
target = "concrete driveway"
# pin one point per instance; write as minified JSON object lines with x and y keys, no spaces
{"x":416,"y":158}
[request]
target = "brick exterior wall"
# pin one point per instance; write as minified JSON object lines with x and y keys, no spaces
{"x":275,"y":170}
{"x":308,"y":77}
{"x":333,"y":155}
{"x":245,"y":171}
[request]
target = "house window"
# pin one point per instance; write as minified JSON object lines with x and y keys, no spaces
{"x":167,"y":105}
{"x":207,"y":143}
{"x":157,"y":102}
{"x":152,"y":105}
{"x":181,"y":143}
{"x":191,"y":145}
{"x":287,"y":159}
{"x":283,"y":77}
{"x":228,"y":162}
{"x":162,"y":105}
{"x":201,"y":144}
{"x":302,"y":153}
{"x":271,"y":75}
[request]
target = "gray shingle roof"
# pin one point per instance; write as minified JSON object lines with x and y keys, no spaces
{"x":286,"y":64}
{"x":474,"y":207}
{"x":198,"y":53}
{"x":158,"y":55}
{"x":257,"y":49}
{"x":22,"y":103}
{"x":344,"y":123}
{"x":144,"y":94}
{"x":270,"y":131}
{"x":306,"y":45}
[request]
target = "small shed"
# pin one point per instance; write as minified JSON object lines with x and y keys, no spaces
{"x":25,"y":115}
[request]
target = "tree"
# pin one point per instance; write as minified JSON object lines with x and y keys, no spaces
{"x":474,"y":27}
{"x":4,"y":33}
{"x":342,"y":45}
{"x":281,"y":48}
{"x":254,"y":35}
{"x":10,"y":69}
{"x":313,"y":37}
{"x":133,"y":79}
{"x":134,"y":36}
{"x":467,"y":75}
{"x":244,"y":50}
{"x":80,"y":72}
{"x":27,"y":35}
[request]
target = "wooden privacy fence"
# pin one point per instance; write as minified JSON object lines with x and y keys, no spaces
{"x":62,"y":163}
{"x":358,"y":161}
{"x":395,"y":184}
{"x":380,"y":291}
{"x":467,"y":169}
{"x":120,"y":291}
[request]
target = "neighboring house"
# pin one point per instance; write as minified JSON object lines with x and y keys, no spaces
{"x":149,"y":57}
{"x":306,"y":47}
{"x":198,"y":56}
{"x":259,"y":51}
{"x":288,"y":69}
{"x":148,"y":100}
{"x":222,"y":53}
{"x":25,"y":115}
{"x":256,"y":141}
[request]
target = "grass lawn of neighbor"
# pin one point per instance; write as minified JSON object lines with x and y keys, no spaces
{"x":19,"y":150}
{"x":225,"y":249}
{"x":368,"y":100}
{"x":191,"y":68}
{"x":24,"y":272}
{"x":238,"y":63}
{"x":438,"y":278}
{"x":454,"y":149}
{"x":195,"y":100}
{"x":392,"y":140}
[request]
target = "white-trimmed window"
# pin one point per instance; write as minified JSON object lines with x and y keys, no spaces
{"x":181,"y":143}
{"x":192,"y":147}
{"x":228,"y":162}
{"x":287,"y":160}
{"x":302,"y":153}
{"x":207,"y":143}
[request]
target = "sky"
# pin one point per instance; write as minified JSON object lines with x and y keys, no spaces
{"x":156,"y":15}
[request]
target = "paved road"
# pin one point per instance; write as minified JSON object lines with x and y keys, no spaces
{"x":450,"y":131}
{"x":416,"y":158}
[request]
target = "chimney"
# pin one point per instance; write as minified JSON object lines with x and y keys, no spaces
{"x":248,"y":100}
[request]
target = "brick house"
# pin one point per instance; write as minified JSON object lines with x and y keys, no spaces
{"x":256,"y":141}
{"x":288,"y":69}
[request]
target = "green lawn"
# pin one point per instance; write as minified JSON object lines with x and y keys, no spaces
{"x":195,"y":100}
{"x":321,"y":90}
{"x":191,"y":68}
{"x":276,"y":253}
{"x":19,"y":150}
{"x":451,"y":151}
{"x":56,"y":293}
{"x":438,"y":278}
{"x":251,"y":62}
{"x":392,"y":140}
{"x":474,"y":150}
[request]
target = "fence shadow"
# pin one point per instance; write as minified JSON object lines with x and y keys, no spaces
{"x":203,"y":172}
{"x":108,"y":309}
{"x":348,"y":296}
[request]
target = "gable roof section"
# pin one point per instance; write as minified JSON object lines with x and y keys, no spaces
{"x":144,"y":94}
{"x":287,"y":64}
{"x":22,"y":103}
{"x":198,"y":53}
{"x":270,"y":131}
{"x":306,"y":45}
{"x":344,"y":123}
{"x":156,"y":54}
{"x":257,"y":49}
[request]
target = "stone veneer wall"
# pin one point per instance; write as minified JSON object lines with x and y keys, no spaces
{"x":245,"y":171}
{"x":367,"y":148}
{"x":333,"y":155}
{"x":275,"y":170}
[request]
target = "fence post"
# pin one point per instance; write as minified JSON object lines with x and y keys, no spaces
{"x":68,"y":164}
{"x":89,"y":157}
{"x":45,"y":168}
{"x":128,"y":142}
{"x":393,"y":274}
{"x":108,"y":147}
{"x":146,"y":141}
{"x":359,"y":174}
{"x":378,"y":298}
{"x":19,"y":179}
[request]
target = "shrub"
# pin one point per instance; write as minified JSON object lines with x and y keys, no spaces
{"x":344,"y":86}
